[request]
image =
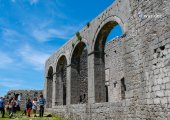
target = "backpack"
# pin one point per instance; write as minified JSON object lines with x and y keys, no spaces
{"x":29,"y":105}
{"x":41,"y":101}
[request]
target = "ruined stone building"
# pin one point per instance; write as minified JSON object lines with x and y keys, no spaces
{"x":127,"y":78}
{"x":23,"y":96}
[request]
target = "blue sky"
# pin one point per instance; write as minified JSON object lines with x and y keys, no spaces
{"x":31,"y":30}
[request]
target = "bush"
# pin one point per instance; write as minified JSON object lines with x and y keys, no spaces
{"x":73,"y":44}
{"x":88,"y":24}
{"x":78,"y":36}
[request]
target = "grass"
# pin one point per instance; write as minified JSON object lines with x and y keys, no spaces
{"x":18,"y":116}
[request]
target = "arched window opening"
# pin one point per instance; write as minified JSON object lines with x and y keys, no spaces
{"x":123,"y":88}
{"x":79,"y":81}
{"x":107,"y":32}
{"x":49,"y":87}
{"x":61,"y":77}
{"x":17,"y":97}
{"x":116,"y":32}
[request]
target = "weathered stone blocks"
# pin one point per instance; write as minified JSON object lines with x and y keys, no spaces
{"x":141,"y":57}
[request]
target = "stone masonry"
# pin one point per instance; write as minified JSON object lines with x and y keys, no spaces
{"x":23,"y":95}
{"x":125,"y":79}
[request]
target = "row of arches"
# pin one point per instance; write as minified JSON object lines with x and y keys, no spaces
{"x":79,"y":71}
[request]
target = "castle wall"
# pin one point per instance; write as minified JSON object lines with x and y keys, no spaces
{"x":24,"y":95}
{"x":136,"y":69}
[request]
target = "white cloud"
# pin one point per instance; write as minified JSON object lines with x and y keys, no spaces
{"x":5,"y":60}
{"x":9,"y":33}
{"x":42,"y":35}
{"x":26,"y":53}
{"x":10,"y":83}
{"x":11,"y":36}
{"x":65,"y":32}
{"x":13,"y":1}
{"x":30,"y":1}
{"x":34,"y":2}
{"x":33,"y":57}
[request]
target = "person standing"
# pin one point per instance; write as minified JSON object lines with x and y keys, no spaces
{"x":34,"y":106}
{"x":29,"y":107}
{"x":17,"y":106}
{"x":41,"y":103}
{"x":10,"y":107}
{"x":11,"y":104}
{"x":2,"y":106}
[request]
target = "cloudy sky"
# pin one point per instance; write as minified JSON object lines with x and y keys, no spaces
{"x":31,"y":30}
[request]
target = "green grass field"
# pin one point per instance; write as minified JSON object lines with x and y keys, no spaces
{"x":19,"y":116}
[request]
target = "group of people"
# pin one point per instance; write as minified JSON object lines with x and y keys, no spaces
{"x":32,"y":105}
{"x":13,"y":106}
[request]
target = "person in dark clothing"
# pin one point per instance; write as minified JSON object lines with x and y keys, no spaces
{"x":12,"y":104}
{"x":2,"y":106}
{"x":41,"y":103}
{"x":17,"y":106}
{"x":10,"y":108}
{"x":29,"y":107}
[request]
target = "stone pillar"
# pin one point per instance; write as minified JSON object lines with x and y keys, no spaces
{"x":47,"y":98}
{"x":68,"y":93}
{"x":54,"y":90}
{"x":45,"y":90}
{"x":58,"y":90}
{"x":91,"y":84}
{"x":49,"y":92}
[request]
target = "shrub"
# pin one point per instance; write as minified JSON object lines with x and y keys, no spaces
{"x":73,"y":44}
{"x":88,"y":24}
{"x":78,"y":36}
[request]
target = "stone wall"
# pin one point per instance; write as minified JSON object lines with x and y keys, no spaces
{"x":79,"y":85}
{"x":61,"y":84}
{"x":23,"y":95}
{"x":83,"y":78}
{"x":144,"y":73}
{"x":116,"y":107}
{"x":135,"y":67}
{"x":114,"y":68}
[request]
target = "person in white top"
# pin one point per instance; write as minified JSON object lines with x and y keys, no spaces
{"x":34,"y":106}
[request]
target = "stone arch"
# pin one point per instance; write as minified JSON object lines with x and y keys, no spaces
{"x":49,"y":87}
{"x":73,"y":47}
{"x":57,"y":58}
{"x":79,"y":74}
{"x":115,"y":19}
{"x":17,"y":96}
{"x":99,"y":56}
{"x":61,"y":78}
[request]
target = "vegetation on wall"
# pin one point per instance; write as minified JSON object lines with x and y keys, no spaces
{"x":73,"y":44}
{"x":88,"y":24}
{"x":78,"y":36}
